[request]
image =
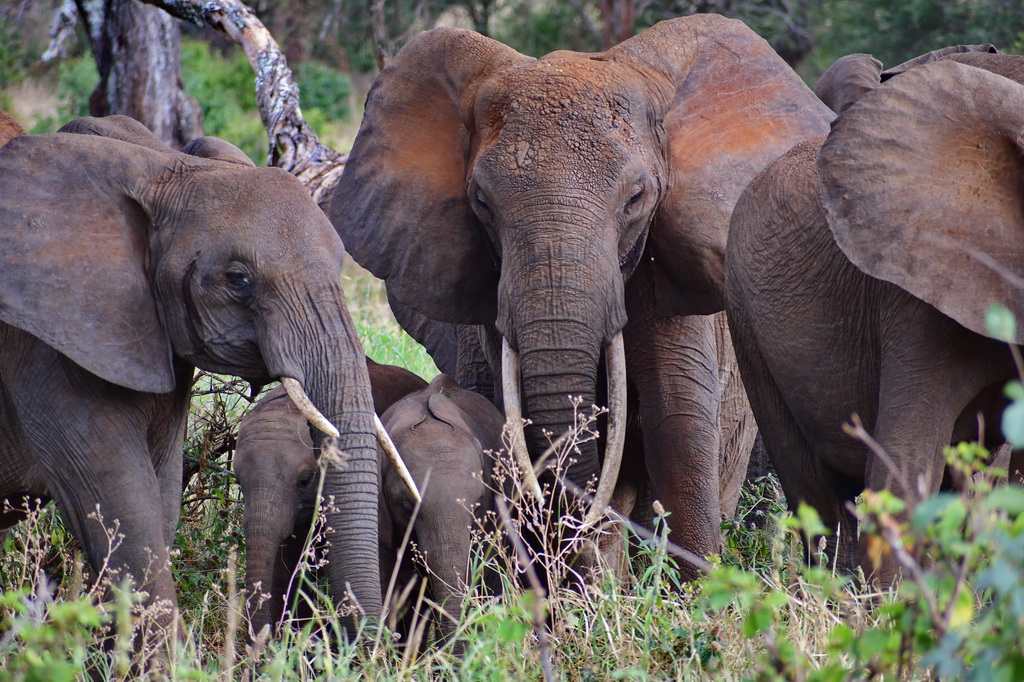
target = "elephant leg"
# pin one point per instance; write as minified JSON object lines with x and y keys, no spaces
{"x":673,"y":365}
{"x":932,"y":370}
{"x":166,"y":436}
{"x":802,"y":475}
{"x":91,"y":440}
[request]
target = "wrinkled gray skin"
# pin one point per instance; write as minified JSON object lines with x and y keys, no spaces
{"x":275,"y":464}
{"x":443,"y":433}
{"x":857,"y":277}
{"x":125,"y":265}
{"x":554,"y":202}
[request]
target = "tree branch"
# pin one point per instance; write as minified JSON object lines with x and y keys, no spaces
{"x":63,"y":25}
{"x":294,"y":146}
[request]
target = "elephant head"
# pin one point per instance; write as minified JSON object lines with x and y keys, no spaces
{"x":490,"y":188}
{"x":277,"y":470}
{"x":445,"y":434}
{"x":133,"y":260}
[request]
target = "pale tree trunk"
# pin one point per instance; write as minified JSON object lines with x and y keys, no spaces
{"x":138,"y":55}
{"x":294,"y":146}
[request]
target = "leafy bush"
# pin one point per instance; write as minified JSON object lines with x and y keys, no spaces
{"x":225,"y":89}
{"x":17,"y":54}
{"x":324,"y":89}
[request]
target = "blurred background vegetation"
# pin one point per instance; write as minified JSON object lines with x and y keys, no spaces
{"x":331,"y":47}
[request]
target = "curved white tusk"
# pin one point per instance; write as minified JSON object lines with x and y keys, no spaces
{"x":514,"y":417}
{"x":396,"y":459}
{"x":615,"y":355}
{"x":299,"y":398}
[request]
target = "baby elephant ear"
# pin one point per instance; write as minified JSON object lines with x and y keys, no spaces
{"x":73,"y":253}
{"x":938,"y":55}
{"x":442,"y":408}
{"x":921,"y":182}
{"x":217,"y":149}
{"x":732,"y":106}
{"x":847,"y":80}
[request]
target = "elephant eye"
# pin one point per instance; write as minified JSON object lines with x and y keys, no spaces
{"x":239,"y":280}
{"x":635,"y":199}
{"x":305,"y":480}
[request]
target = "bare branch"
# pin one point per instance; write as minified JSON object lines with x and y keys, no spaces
{"x":294,"y":146}
{"x":63,"y":25}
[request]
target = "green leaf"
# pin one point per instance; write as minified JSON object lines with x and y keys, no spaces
{"x":1014,"y":390}
{"x":1006,"y":498}
{"x":1013,"y":423}
{"x":871,"y":643}
{"x":512,"y":630}
{"x":1000,"y":323}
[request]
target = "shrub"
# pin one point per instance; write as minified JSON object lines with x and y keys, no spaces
{"x":325,"y":89}
{"x":224,"y":88}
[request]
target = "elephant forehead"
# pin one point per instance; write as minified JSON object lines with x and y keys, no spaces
{"x":548,"y":109}
{"x":250,"y":203}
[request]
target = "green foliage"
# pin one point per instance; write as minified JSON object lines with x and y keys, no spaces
{"x":17,"y":53}
{"x":538,"y":28}
{"x":325,"y":90}
{"x":225,"y":89}
{"x":897,"y":31}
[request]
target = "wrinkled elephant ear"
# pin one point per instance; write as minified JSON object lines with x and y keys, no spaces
{"x":116,"y":127}
{"x":921,"y":182}
{"x":73,"y":243}
{"x":400,"y":206}
{"x":847,"y":80}
{"x":734,"y":106}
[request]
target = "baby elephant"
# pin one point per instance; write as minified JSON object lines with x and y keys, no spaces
{"x":444,"y":434}
{"x":276,"y":469}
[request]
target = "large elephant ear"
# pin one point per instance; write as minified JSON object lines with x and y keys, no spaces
{"x":401,"y":206}
{"x":734,"y":107}
{"x":847,"y":80}
{"x":921,"y":182}
{"x":73,"y":245}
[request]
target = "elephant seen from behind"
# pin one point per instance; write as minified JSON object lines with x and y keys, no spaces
{"x":124,"y":265}
{"x":859,"y":269}
{"x":574,"y":209}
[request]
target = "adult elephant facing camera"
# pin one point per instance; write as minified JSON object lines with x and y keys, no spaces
{"x":123,"y":266}
{"x":572,"y":202}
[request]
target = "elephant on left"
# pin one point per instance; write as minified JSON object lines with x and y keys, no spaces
{"x":124,"y":265}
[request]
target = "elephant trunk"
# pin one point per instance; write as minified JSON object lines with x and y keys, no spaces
{"x":560,"y":304}
{"x":447,"y":546}
{"x":321,"y":350}
{"x":267,"y":528}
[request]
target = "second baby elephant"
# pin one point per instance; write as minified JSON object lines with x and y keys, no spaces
{"x":445,"y":434}
{"x":277,"y":468}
